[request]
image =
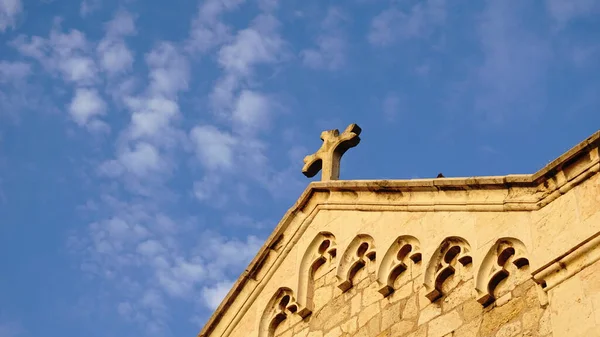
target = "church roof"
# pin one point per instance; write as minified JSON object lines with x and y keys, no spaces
{"x":520,"y":192}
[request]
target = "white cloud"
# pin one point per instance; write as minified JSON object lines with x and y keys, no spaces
{"x":213,"y":295}
{"x":232,"y":252}
{"x":150,"y":248}
{"x":142,"y":160}
{"x":182,"y":277}
{"x":14,"y":71}
{"x":251,"y":112}
{"x":252,"y":46}
{"x":115,"y":57}
{"x":66,"y":54}
{"x":331,"y":49}
{"x":245,"y":109}
{"x":235,"y":149}
{"x":169,"y":70}
{"x":207,"y":30}
{"x":98,"y":126}
{"x":329,"y":54}
{"x":214,"y":148}
{"x":151,"y":117}
{"x":150,"y":257}
{"x":394,"y":24}
{"x":89,"y":6}
{"x":79,"y":69}
{"x":123,"y":24}
{"x":86,"y":105}
{"x":9,"y":9}
{"x":142,"y":253}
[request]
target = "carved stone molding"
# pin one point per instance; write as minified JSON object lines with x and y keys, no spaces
{"x":452,"y":251}
{"x":503,"y":258}
{"x":359,"y":252}
{"x":403,"y":251}
{"x":563,"y":267}
{"x":281,"y":305}
{"x":320,"y":251}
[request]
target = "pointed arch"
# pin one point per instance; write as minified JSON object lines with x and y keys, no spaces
{"x":320,"y":251}
{"x":496,"y":266}
{"x":405,"y":249}
{"x":359,"y":252}
{"x":451,"y":252}
{"x":279,"y":307}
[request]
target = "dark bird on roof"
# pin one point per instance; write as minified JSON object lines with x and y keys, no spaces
{"x":440,"y":175}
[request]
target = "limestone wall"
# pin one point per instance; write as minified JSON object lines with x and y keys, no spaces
{"x":497,"y":261}
{"x":361,"y":311}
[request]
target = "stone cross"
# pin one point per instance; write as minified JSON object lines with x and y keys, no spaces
{"x":328,"y":157}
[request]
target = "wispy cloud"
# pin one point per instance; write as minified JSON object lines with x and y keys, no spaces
{"x":86,"y":105}
{"x":115,"y":57}
{"x":69,"y":57}
{"x":247,"y":112}
{"x":137,"y":241}
{"x":214,"y":148}
{"x":14,"y":71}
{"x":565,"y":11}
{"x":213,"y":295}
{"x":132,"y":239}
{"x":397,"y":23}
{"x":331,"y":44}
{"x":208,"y":30}
{"x":89,"y":6}
{"x":9,"y":10}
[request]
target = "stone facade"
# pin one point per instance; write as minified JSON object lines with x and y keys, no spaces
{"x":517,"y":255}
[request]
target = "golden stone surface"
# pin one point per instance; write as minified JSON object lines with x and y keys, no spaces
{"x":516,"y":255}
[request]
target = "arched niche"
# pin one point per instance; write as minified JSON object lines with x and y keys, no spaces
{"x":443,"y":263}
{"x":405,"y":250}
{"x":278,"y":309}
{"x":359,"y":252}
{"x":322,"y":250}
{"x":503,"y":259}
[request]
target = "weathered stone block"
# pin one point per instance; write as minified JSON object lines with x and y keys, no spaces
{"x":459,"y":295}
{"x":498,"y":316}
{"x":429,"y":312}
{"x":367,"y":314}
{"x":445,"y":324}
{"x":401,"y":328}
{"x":335,"y":332}
{"x":509,"y":330}
{"x":411,"y":310}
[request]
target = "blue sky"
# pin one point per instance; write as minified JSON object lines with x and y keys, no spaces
{"x":147,"y":148}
